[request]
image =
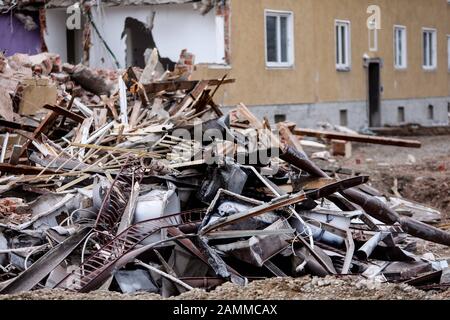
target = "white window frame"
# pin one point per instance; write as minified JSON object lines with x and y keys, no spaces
{"x":289,"y":38}
{"x":404,"y":39}
{"x":434,"y":49}
{"x":347,"y":65}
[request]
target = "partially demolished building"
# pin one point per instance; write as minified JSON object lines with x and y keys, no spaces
{"x":128,"y":171}
{"x":313,"y":60}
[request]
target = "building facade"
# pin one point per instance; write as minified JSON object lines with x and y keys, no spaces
{"x":359,"y":63}
{"x":329,"y":66}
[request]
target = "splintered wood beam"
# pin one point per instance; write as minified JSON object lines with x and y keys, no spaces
{"x":288,"y":137}
{"x":43,"y":127}
{"x":21,"y":169}
{"x":358,"y":138}
{"x":190,"y":98}
{"x":16,"y":125}
{"x":181,"y":85}
{"x":139,"y":152}
{"x":64,"y":112}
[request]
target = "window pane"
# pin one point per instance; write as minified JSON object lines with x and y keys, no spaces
{"x":284,"y":41}
{"x":425,"y":51}
{"x":431,"y":42}
{"x":396,"y":46}
{"x":344,"y":42}
{"x":271,"y":41}
{"x":400,"y":48}
{"x":448,"y":53}
{"x":338,"y":60}
{"x":430,"y":49}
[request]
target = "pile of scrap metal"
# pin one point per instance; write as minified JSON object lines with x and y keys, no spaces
{"x":133,"y":193}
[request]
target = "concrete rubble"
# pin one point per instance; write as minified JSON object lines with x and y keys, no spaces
{"x":136,"y":181}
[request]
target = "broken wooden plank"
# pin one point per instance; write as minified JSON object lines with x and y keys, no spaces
{"x":139,"y":152}
{"x":16,"y":125}
{"x":190,"y":98}
{"x":358,"y":138}
{"x":100,"y":117}
{"x":180,"y":85}
{"x":43,"y":127}
{"x":210,"y":100}
{"x":288,"y":137}
{"x":4,"y":147}
{"x":64,"y":112}
{"x":15,"y":154}
{"x":135,"y":113}
{"x":21,"y":169}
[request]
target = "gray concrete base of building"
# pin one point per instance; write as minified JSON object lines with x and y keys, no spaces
{"x":355,"y":115}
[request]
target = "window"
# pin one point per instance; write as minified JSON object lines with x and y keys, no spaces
{"x":279,"y":39}
{"x":343,"y":53}
{"x":401,"y":115}
{"x":343,"y":118}
{"x":400,"y":48}
{"x":429,"y":49}
{"x":430,"y":112}
{"x":448,"y":51}
{"x":280,"y":118}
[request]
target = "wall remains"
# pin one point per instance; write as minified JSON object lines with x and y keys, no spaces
{"x":175,"y":27}
{"x":14,"y":38}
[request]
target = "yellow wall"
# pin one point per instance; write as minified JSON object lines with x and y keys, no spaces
{"x":314,"y":77}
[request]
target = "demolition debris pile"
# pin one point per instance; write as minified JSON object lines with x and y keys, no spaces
{"x":136,"y":181}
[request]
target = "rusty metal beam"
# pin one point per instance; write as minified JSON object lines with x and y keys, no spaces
{"x":285,"y":201}
{"x":371,"y":205}
{"x":49,"y":261}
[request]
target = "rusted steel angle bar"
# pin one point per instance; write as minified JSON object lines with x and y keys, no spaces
{"x":285,"y":201}
{"x":116,"y":248}
{"x":42,"y":267}
{"x":116,"y":198}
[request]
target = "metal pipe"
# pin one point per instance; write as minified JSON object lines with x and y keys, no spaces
{"x":366,"y":250}
{"x":371,"y":205}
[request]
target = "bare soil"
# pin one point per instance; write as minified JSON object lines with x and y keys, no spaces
{"x":423,"y":175}
{"x":304,"y":288}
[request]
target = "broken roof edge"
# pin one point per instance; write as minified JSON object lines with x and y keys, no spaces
{"x":27,"y":4}
{"x":203,"y":6}
{"x":7,"y":5}
{"x":67,"y":3}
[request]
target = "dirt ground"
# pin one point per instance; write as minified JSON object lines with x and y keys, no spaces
{"x":422,"y":175}
{"x":304,"y":288}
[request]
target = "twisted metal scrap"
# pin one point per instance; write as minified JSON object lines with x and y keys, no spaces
{"x":92,"y":273}
{"x":117,"y":197}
